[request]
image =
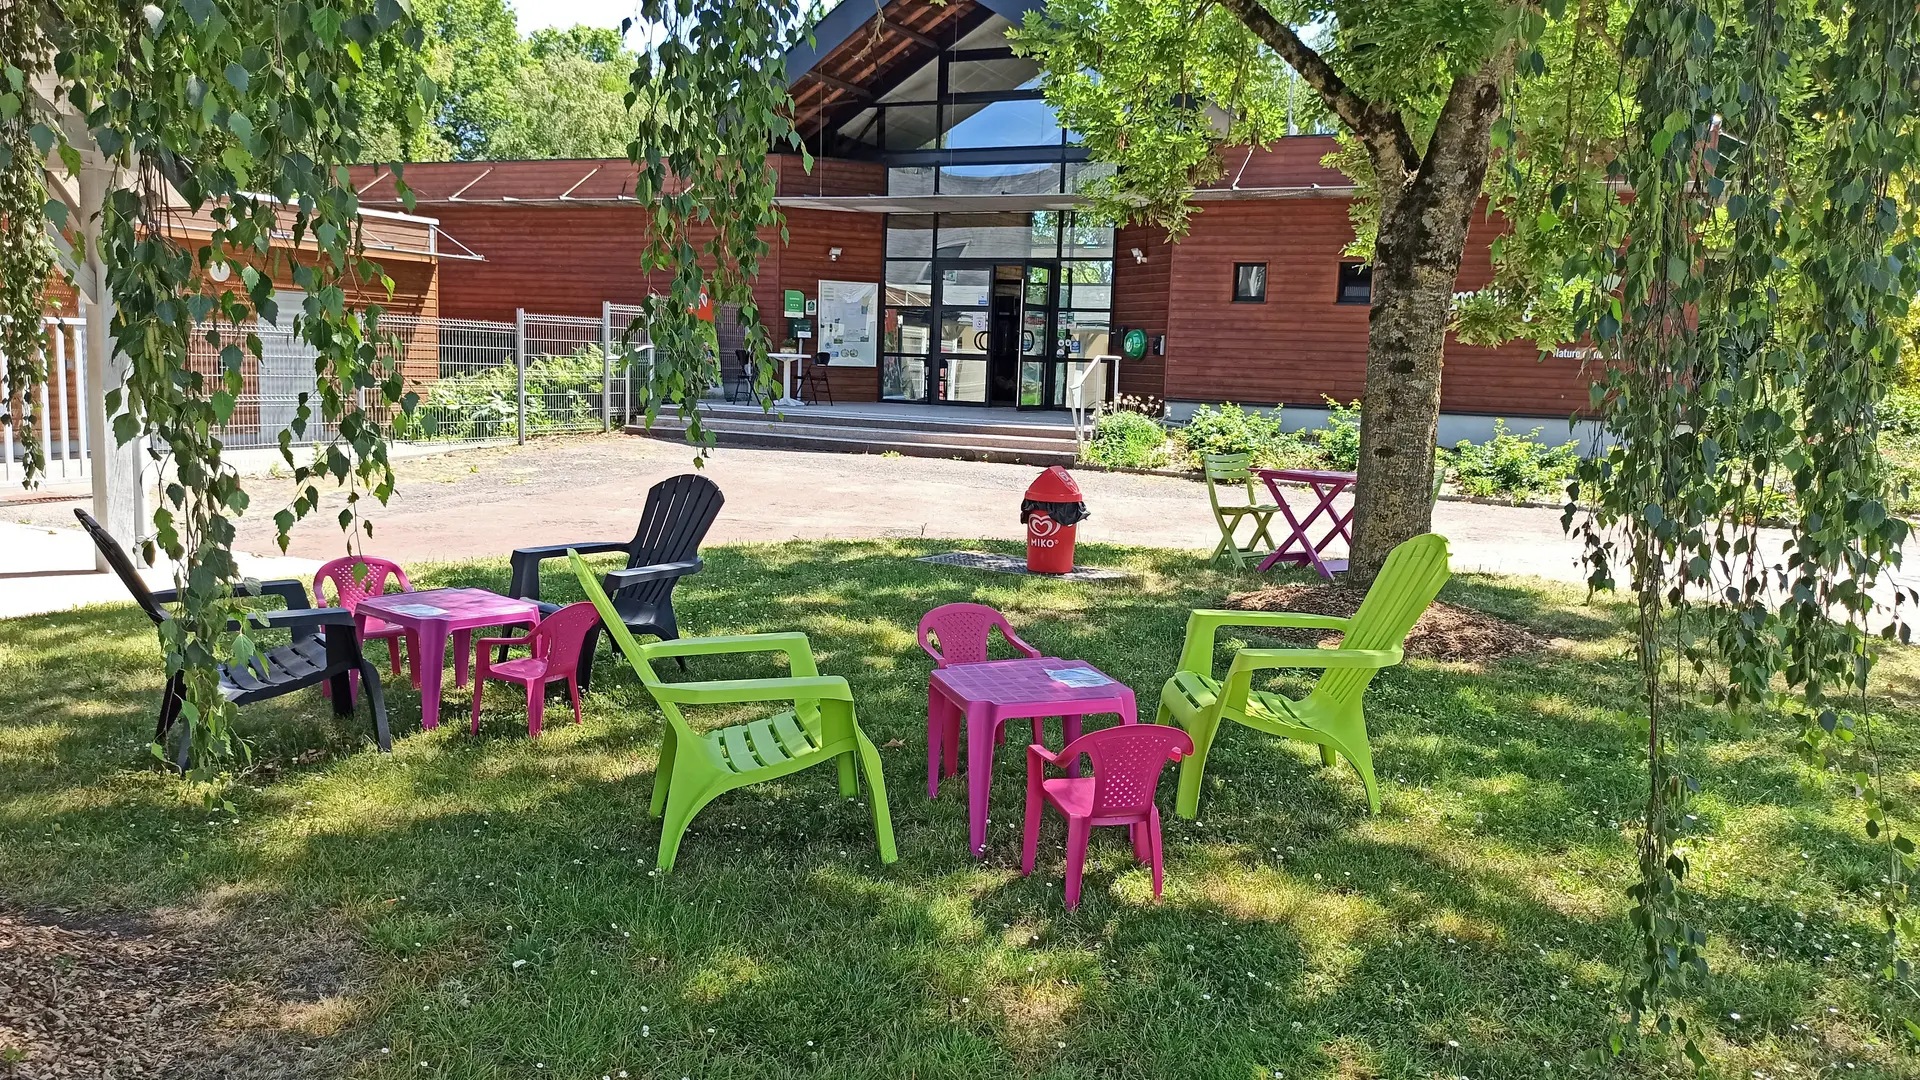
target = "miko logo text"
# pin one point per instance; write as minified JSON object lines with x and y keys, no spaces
{"x":1041,"y":530}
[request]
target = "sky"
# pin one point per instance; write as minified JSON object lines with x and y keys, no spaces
{"x":539,"y":14}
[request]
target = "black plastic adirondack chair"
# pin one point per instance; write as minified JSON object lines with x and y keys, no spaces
{"x":325,"y":649}
{"x":679,"y":511}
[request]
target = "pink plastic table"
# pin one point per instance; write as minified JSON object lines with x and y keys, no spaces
{"x":991,"y":693}
{"x":1328,"y":486}
{"x":434,"y":614}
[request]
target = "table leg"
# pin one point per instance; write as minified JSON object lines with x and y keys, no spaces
{"x":936,"y":739}
{"x":1069,"y":731}
{"x":434,"y":642}
{"x":462,"y":649}
{"x":979,"y":776}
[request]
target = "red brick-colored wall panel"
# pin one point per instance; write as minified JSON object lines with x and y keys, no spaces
{"x":1300,"y":345}
{"x":1140,"y":299}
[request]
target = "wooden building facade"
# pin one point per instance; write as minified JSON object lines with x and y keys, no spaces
{"x":938,"y":255}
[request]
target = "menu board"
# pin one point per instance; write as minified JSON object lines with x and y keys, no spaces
{"x":849,"y":323}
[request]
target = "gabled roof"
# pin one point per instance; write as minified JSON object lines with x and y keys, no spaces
{"x":862,"y":47}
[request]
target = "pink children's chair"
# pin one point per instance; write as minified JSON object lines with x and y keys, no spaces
{"x":557,"y":646}
{"x":960,"y":634}
{"x":1126,"y":763}
{"x":355,"y":578}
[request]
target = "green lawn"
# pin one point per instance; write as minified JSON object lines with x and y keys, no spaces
{"x":1475,"y":928}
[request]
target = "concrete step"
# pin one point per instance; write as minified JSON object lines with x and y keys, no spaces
{"x":842,"y":438}
{"x":851,"y":416}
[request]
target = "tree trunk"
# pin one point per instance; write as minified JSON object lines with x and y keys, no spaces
{"x":1424,"y":215}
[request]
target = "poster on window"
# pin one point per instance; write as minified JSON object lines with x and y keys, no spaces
{"x":850,"y":323}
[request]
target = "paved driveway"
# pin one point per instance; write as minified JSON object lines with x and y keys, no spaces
{"x":487,"y":502}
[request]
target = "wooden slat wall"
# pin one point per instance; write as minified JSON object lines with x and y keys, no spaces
{"x":1300,"y":345}
{"x":1140,"y":299}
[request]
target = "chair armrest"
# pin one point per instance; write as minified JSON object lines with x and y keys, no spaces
{"x":1203,"y":623}
{"x":284,"y":620}
{"x":637,"y":575}
{"x":1020,"y":643}
{"x":1037,"y":753}
{"x":166,"y":596}
{"x":290,"y":590}
{"x":794,"y":644}
{"x":1259,"y":659}
{"x":734,"y":691}
{"x":525,"y":582}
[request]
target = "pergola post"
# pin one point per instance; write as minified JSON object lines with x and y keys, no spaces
{"x":119,"y":493}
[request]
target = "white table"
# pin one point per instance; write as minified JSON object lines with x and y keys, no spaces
{"x":787,"y":360}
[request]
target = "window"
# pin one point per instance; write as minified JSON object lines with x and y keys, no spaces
{"x":1356,"y":284}
{"x":1249,"y":283}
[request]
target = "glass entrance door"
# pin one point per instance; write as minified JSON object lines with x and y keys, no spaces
{"x":998,"y":328}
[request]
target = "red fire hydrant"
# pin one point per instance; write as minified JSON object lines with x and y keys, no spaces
{"x":1053,"y":507}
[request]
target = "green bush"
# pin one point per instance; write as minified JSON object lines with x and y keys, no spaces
{"x":1515,"y":466}
{"x":563,"y":394}
{"x":1900,"y":411}
{"x":1128,"y":440}
{"x":1339,"y":441}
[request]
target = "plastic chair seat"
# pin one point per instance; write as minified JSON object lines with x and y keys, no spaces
{"x":763,"y":744}
{"x":1198,"y":693}
{"x":526,"y":667}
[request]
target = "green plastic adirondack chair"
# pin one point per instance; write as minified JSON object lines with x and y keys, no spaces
{"x":1331,"y":716}
{"x":695,"y":767}
{"x":1226,"y":471}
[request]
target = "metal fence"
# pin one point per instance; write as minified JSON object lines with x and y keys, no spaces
{"x":477,"y":381}
{"x":56,"y":407}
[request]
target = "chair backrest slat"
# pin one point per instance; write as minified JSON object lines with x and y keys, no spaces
{"x":960,"y":633}
{"x":1406,"y":586}
{"x":679,"y":511}
{"x":1126,"y":763}
{"x":1228,"y":470}
{"x":122,"y":567}
{"x":559,"y":637}
{"x":356,"y":578}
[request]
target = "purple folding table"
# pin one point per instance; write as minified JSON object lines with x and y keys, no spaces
{"x":431,"y":616}
{"x":1327,"y":485}
{"x":991,"y":693}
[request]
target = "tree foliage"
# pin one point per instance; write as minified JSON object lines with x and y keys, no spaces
{"x":244,"y":114}
{"x":710,"y":101}
{"x":1745,"y":302}
{"x":1160,"y":87}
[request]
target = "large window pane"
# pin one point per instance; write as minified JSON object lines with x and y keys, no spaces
{"x":998,"y":236}
{"x":910,"y":180}
{"x":910,"y":236}
{"x":903,"y":378}
{"x":1026,"y":179}
{"x":963,"y":330}
{"x":1083,"y":333}
{"x":911,"y":127}
{"x":965,"y":289}
{"x":1089,"y":283}
{"x":975,"y":126}
{"x":864,"y":128}
{"x":909,"y":330}
{"x":963,"y":378}
{"x":910,"y":284}
{"x":1086,"y":239}
{"x":1003,"y":73}
{"x":1081,"y":173}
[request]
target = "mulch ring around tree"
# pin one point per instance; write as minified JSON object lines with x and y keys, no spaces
{"x":121,"y":998}
{"x":1445,"y":632}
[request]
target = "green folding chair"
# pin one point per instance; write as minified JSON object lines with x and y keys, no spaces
{"x":1331,"y":716}
{"x":1226,"y":472}
{"x":695,"y":768}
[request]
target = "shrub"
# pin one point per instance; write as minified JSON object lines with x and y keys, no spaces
{"x":1518,"y":466}
{"x":1128,"y":440}
{"x":1229,"y":429}
{"x":1339,"y":441}
{"x":563,"y":393}
{"x":1900,"y":411}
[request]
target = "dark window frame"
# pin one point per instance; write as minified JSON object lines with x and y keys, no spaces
{"x":1352,"y":267}
{"x":1247,"y":298}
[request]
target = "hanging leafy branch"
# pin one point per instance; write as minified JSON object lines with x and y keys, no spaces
{"x":711,"y":100}
{"x":1742,"y":306}
{"x":26,"y":257}
{"x":237,"y":116}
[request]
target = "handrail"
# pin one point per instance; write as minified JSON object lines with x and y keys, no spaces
{"x":1076,"y":391}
